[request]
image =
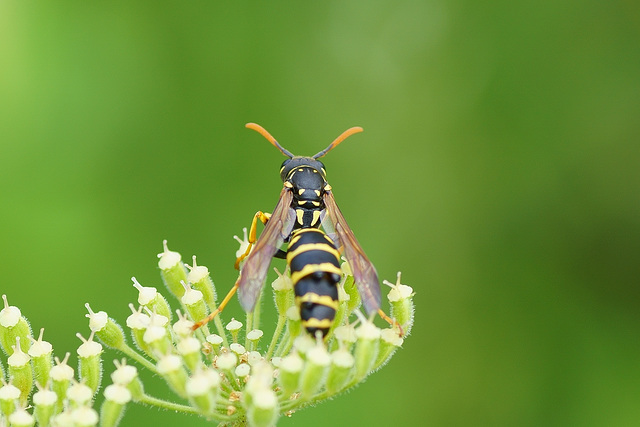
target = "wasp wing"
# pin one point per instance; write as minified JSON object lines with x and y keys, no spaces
{"x":254,"y":270}
{"x":364,"y":273}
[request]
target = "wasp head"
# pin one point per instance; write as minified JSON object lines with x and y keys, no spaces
{"x":289,"y":166}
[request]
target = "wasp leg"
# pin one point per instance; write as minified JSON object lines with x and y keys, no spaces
{"x":393,"y":322}
{"x":218,"y":310}
{"x":264,"y":218}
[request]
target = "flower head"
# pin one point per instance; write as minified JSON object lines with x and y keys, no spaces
{"x":246,"y":370}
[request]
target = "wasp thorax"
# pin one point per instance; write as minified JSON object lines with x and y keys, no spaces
{"x":290,"y":166}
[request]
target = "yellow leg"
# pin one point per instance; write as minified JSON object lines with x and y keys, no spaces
{"x":218,"y":310}
{"x":393,"y":322}
{"x":264,"y":218}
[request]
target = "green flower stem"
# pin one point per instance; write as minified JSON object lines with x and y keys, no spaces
{"x":202,"y":333}
{"x":163,"y":404}
{"x":285,"y":345}
{"x":249,"y":328}
{"x":227,"y":388}
{"x":138,"y":358}
{"x":256,"y":313}
{"x":204,"y":330}
{"x":219,"y":326}
{"x":286,"y":403}
{"x":276,"y":335}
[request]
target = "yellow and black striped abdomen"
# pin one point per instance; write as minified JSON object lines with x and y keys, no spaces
{"x":315,"y":271}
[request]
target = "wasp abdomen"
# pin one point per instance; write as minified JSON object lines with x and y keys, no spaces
{"x":315,"y":272}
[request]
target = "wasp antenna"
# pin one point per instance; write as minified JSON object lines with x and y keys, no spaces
{"x":262,"y":131}
{"x":346,"y":134}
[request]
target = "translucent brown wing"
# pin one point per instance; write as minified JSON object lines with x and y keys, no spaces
{"x":254,"y":271}
{"x":364,"y":273}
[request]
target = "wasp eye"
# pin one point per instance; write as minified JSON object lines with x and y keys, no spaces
{"x":285,"y":163}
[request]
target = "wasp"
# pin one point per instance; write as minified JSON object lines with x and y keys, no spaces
{"x":306,"y":203}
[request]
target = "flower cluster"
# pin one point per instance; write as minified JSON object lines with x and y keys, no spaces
{"x":227,"y":372}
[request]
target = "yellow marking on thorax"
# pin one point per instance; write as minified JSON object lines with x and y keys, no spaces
{"x":311,"y":247}
{"x":299,"y":215}
{"x":311,"y":297}
{"x":315,"y":218}
{"x":312,"y":268}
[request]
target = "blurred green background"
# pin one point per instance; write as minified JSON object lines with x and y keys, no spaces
{"x":499,"y":170}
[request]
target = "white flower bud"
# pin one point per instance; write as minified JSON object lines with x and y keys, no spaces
{"x":12,"y":326}
{"x":9,"y":392}
{"x":201,"y":389}
{"x":304,"y":343}
{"x":227,"y":361}
{"x":199,"y":277}
{"x":79,"y":393}
{"x":399,"y":292}
{"x":20,"y":371}
{"x":21,"y":418}
{"x":366,"y":348}
{"x":265,"y":399}
{"x":253,"y":337}
{"x":172,"y":270}
{"x":117,"y":393}
{"x":290,"y":368}
{"x":169,"y":363}
{"x":183,"y":327}
{"x":61,"y":371}
{"x":254,"y":357}
{"x":191,"y":296}
{"x":341,"y":364}
{"x":168,"y":259}
{"x":189,"y":348}
{"x":40,"y":347}
{"x":146,"y":294}
{"x":263,"y":411}
{"x":244,"y":243}
{"x":282,"y":283}
{"x":10,"y":315}
{"x":98,"y":320}
{"x":214,"y":339}
{"x":124,"y":374}
{"x":138,"y":320}
{"x":234,"y":326}
{"x":293,"y":313}
{"x":170,"y":367}
{"x":242,"y":370}
{"x":237,"y":348}
{"x":44,"y":406}
{"x":401,"y":298}
{"x":18,"y":359}
{"x":44,"y":398}
{"x":85,"y":417}
{"x":89,"y":348}
{"x":345,"y":333}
